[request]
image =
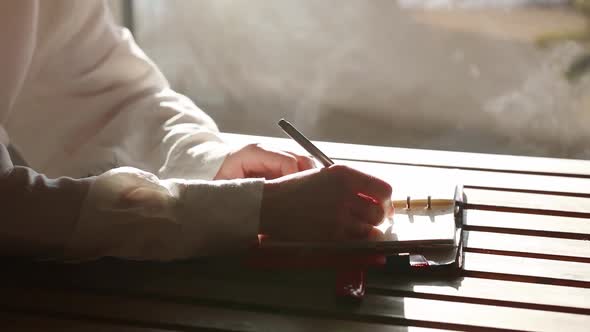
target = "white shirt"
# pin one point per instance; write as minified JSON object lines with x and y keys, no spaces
{"x":79,"y":98}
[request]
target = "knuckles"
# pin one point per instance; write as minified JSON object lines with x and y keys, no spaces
{"x":342,"y":173}
{"x":378,"y":217}
{"x":340,"y":169}
{"x":387,"y":188}
{"x":252,"y":147}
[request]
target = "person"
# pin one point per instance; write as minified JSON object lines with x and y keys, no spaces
{"x":134,"y":170}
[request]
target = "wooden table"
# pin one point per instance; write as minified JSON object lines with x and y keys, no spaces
{"x":527,"y":265}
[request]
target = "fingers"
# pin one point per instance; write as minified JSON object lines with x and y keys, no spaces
{"x":360,"y":230}
{"x":279,"y":163}
{"x":375,"y":234}
{"x":303,"y":162}
{"x":366,"y":210}
{"x":365,"y":214}
{"x":376,"y":188}
{"x":269,"y":163}
{"x":364,"y":183}
{"x":288,"y":164}
{"x":389,"y":208}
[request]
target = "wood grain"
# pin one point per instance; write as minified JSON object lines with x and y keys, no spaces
{"x":575,"y":250}
{"x":530,"y":224}
{"x":420,"y":181}
{"x":538,"y":270}
{"x":530,"y":201}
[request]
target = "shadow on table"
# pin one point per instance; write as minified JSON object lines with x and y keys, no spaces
{"x":226,"y":284}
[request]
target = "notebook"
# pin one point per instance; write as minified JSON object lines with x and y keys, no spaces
{"x":419,"y":226}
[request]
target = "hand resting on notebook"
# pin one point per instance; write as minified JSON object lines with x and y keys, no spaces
{"x":324,"y":204}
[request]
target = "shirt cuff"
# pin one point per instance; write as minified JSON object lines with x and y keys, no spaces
{"x":226,"y":213}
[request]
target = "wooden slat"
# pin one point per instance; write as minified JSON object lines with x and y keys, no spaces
{"x":185,"y":285}
{"x":114,"y":276}
{"x":542,"y":270}
{"x":446,"y":159}
{"x":491,"y":316}
{"x":530,"y":223}
{"x":422,"y":181}
{"x":575,"y":250}
{"x":530,"y":201}
{"x":180,"y":315}
{"x":17,"y":322}
{"x":486,"y":291}
{"x":374,"y":309}
{"x":531,"y":191}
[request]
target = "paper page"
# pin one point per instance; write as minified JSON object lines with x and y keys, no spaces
{"x":420,"y":223}
{"x":411,"y":228}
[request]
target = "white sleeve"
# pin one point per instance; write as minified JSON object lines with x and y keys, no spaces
{"x":94,"y":101}
{"x":125,"y":213}
{"x":132,"y":214}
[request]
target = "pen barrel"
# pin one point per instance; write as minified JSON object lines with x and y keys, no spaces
{"x":305,"y":143}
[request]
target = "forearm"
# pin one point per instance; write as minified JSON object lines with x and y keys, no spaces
{"x":132,"y":214}
{"x":124,"y":213}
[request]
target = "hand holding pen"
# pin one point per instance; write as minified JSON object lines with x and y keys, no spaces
{"x":332,"y":203}
{"x":306,"y":144}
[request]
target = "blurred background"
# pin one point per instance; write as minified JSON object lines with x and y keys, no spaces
{"x":494,"y":76}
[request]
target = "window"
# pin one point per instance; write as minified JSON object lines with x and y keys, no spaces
{"x":468,"y":75}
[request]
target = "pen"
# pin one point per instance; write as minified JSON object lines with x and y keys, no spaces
{"x":305,"y":143}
